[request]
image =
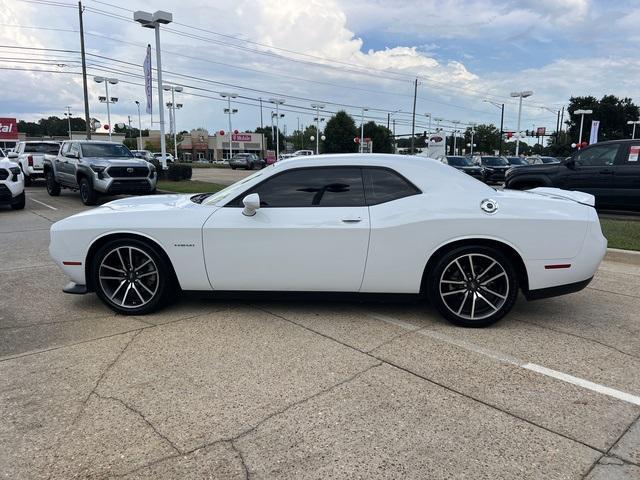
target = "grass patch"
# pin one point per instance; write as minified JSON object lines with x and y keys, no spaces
{"x":624,"y":234}
{"x":208,"y":165}
{"x":189,"y":186}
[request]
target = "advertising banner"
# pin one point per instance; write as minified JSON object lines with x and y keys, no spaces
{"x":8,"y":129}
{"x":147,"y":80}
{"x":595,"y":126}
{"x":241,"y":137}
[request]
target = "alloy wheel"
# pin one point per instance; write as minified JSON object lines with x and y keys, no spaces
{"x":474,"y":286}
{"x":129,"y":277}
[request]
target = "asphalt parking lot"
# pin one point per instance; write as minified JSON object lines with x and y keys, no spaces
{"x":239,"y":389}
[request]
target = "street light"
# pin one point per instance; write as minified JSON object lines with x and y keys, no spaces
{"x":473,"y":131}
{"x":429,"y":115}
{"x":525,"y":94}
{"x":173,"y":89}
{"x":139,"y":125}
{"x":229,"y":111}
{"x":68,"y":115}
{"x":106,"y":99}
{"x":582,"y":113}
{"x":317,"y":106}
{"x":364,"y":109}
{"x":455,"y":137}
{"x":154,"y":20}
{"x":501,"y":107}
{"x":278,"y":102}
{"x":630,"y":122}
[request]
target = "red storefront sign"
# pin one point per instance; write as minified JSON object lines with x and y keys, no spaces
{"x":241,"y":137}
{"x":8,"y":129}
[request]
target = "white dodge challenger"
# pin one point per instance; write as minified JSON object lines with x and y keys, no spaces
{"x":358,"y":224}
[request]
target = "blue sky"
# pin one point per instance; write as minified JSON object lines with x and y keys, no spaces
{"x":347,"y":54}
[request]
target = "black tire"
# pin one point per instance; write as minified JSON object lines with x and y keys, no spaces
{"x":19,"y":205}
{"x":233,"y":168}
{"x":250,"y":166}
{"x":163,"y":285}
{"x":87,"y":194}
{"x":53,"y":187}
{"x":27,"y":180}
{"x":469,"y":300}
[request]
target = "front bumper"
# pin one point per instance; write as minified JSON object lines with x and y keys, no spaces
{"x":124,"y":186}
{"x":10,"y":192}
{"x":75,"y":289}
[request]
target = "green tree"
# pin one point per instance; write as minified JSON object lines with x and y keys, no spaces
{"x":340,"y":132}
{"x":486,"y":138}
{"x":381,"y":137}
{"x":612,"y":112}
{"x":269,"y":139}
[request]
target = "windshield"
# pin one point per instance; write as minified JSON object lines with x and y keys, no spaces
{"x":213,"y":198}
{"x":517,"y":161}
{"x":50,"y":148}
{"x":109,"y":150}
{"x":460,"y":162}
{"x":495,"y":161}
{"x":241,"y":155}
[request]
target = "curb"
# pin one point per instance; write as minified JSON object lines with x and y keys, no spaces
{"x":622,"y":256}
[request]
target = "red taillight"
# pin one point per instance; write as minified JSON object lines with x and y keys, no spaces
{"x":71,"y":263}
{"x":555,"y":267}
{"x":30,"y":160}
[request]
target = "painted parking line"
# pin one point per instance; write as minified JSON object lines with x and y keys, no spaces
{"x":42,"y":203}
{"x":564,"y":377}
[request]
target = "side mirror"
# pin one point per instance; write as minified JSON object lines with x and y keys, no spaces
{"x":570,"y":163}
{"x":251,"y":203}
{"x":12,"y":155}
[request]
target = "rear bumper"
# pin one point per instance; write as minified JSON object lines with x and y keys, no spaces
{"x":557,"y":290}
{"x":75,"y":289}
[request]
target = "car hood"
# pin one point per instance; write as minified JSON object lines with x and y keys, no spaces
{"x":151,"y":202}
{"x":540,"y":168}
{"x":119,"y":162}
{"x":6,"y":163}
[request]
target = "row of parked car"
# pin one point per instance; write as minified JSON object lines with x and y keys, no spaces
{"x":608,"y":170}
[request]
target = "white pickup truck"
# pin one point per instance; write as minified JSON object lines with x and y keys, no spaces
{"x":30,"y":156}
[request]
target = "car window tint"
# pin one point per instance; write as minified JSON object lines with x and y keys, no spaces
{"x":312,"y":187}
{"x":383,"y":185}
{"x":598,"y":156}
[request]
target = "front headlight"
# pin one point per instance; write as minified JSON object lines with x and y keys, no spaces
{"x":15,"y":173}
{"x":99,"y":169}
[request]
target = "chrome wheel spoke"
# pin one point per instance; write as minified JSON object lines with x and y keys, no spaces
{"x":118,"y":289}
{"x":112,"y":268}
{"x":138,"y":268}
{"x":486,"y":270}
{"x":453,"y":282}
{"x":130,"y":259}
{"x":473,"y":304}
{"x":133,"y":285}
{"x":104,"y":277}
{"x":124,"y":298}
{"x":124,"y":265}
{"x":488,"y":302}
{"x":453,"y":292}
{"x":494,"y":293}
{"x":473,"y":274}
{"x":148,"y":273}
{"x":493,"y":278}
{"x":466,"y":295}
{"x":464,"y":275}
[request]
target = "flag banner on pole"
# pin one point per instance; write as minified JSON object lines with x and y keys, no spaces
{"x":147,"y":80}
{"x":595,"y":126}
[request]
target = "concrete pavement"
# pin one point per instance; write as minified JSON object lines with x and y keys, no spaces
{"x":233,"y":389}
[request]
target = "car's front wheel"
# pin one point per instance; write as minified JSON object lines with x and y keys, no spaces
{"x":473,"y":286}
{"x":131,"y":277}
{"x":87,"y":194}
{"x":53,"y":187}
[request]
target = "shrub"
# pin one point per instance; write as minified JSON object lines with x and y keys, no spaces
{"x":179,"y":171}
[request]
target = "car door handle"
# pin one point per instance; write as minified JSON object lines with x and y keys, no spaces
{"x":606,"y":171}
{"x":352,"y":220}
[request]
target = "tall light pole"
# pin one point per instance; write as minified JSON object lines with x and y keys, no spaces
{"x":278,"y":102}
{"x":140,"y":147}
{"x":68,"y":115}
{"x":473,"y":131}
{"x":582,"y":113}
{"x":364,"y":109}
{"x":108,"y":100}
{"x":173,"y":89}
{"x":521,"y":95}
{"x":501,"y":107}
{"x":154,"y":20}
{"x":317,"y":106}
{"x":455,"y":136}
{"x":230,"y":111}
{"x":630,"y":122}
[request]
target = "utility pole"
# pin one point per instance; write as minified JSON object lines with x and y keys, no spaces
{"x":388,"y":119}
{"x":395,"y":143}
{"x":261,"y":126}
{"x":557,"y":127}
{"x":87,"y":119}
{"x":413,"y":120}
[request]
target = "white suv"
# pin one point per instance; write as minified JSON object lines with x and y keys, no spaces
{"x":11,"y":184}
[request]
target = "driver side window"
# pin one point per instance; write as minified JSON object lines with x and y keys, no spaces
{"x":598,"y":156}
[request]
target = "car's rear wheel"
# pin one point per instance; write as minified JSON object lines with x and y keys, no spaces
{"x":87,"y":194}
{"x":473,"y":286}
{"x":27,"y":179}
{"x":131,"y":277}
{"x":53,"y":187}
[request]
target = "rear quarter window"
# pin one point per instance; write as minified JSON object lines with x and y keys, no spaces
{"x":385,"y":185}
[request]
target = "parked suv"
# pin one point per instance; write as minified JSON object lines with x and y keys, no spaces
{"x":30,"y":157}
{"x":608,"y":170}
{"x":494,"y":168}
{"x":97,"y":167}
{"x":466,"y":164}
{"x":11,"y":184}
{"x":248,"y":161}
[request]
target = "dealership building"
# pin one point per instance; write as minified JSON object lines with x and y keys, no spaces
{"x":198,"y":145}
